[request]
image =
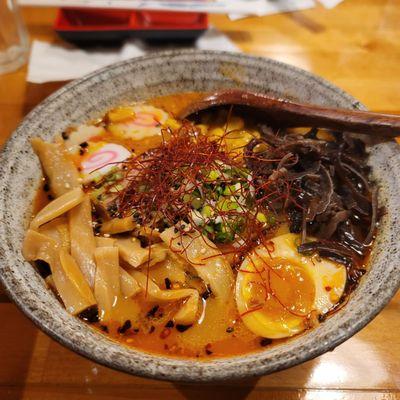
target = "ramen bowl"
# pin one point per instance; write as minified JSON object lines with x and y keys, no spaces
{"x":163,"y":74}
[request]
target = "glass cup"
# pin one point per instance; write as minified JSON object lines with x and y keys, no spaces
{"x":14,"y":43}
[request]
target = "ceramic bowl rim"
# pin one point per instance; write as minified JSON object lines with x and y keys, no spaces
{"x":176,"y":375}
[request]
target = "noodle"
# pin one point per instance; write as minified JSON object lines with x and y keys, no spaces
{"x":58,"y":230}
{"x":129,"y":286}
{"x":205,"y":258}
{"x":68,"y":279}
{"x":118,"y":225}
{"x":135,"y":255}
{"x":60,"y":171}
{"x":187,"y":313}
{"x":206,"y":238}
{"x":58,"y":207}
{"x":107,"y":287}
{"x":83,"y":244}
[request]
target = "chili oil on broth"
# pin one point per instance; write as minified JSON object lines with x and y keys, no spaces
{"x":155,"y":333}
{"x":219,"y":333}
{"x":219,"y":329}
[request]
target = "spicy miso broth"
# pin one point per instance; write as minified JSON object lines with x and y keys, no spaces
{"x":201,"y":238}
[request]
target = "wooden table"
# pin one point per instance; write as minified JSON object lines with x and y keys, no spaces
{"x":356,"y":46}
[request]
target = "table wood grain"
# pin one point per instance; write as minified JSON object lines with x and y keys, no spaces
{"x":356,"y":46}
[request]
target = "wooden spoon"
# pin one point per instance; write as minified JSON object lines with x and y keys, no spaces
{"x":292,"y":114}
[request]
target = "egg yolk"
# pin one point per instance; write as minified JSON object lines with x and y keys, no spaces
{"x":275,"y":296}
{"x":137,"y":121}
{"x":292,"y":286}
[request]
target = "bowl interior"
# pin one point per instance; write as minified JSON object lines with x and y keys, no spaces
{"x":163,"y":74}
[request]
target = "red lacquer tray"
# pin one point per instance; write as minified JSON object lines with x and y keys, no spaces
{"x":87,"y":24}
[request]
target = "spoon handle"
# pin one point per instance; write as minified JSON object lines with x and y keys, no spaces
{"x":292,"y":114}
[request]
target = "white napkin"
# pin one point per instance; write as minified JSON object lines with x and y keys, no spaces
{"x":207,"y":6}
{"x":277,"y":6}
{"x":50,"y":62}
{"x":236,"y":7}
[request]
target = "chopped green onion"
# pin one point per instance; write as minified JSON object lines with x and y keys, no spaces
{"x":187,"y":198}
{"x":271,"y":220}
{"x":196,"y":203}
{"x":196,"y":193}
{"x":227,"y":205}
{"x":207,"y":211}
{"x":213,"y":175}
{"x":229,"y":190}
{"x":261,"y":217}
{"x":219,"y":190}
{"x":224,"y":237}
{"x":209,"y":229}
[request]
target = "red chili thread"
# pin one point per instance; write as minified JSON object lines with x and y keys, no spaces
{"x":155,"y":183}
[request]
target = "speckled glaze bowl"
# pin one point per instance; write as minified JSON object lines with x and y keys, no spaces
{"x":162,"y":74}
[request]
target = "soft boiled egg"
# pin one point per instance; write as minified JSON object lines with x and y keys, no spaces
{"x":277,"y":287}
{"x":138,"y":121}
